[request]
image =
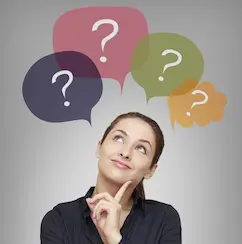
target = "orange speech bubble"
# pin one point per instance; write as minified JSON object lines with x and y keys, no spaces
{"x":200,"y":104}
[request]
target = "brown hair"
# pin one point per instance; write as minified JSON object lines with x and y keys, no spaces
{"x":159,"y":138}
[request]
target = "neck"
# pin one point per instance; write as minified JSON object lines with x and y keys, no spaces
{"x":104,"y":185}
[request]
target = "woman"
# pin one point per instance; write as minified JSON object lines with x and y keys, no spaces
{"x":116,"y":210}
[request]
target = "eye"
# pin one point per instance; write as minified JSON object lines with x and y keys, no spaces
{"x":142,"y":149}
{"x":118,"y":138}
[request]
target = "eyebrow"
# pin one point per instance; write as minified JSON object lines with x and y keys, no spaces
{"x":141,"y":140}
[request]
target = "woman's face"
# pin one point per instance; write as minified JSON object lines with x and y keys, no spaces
{"x":130,"y":142}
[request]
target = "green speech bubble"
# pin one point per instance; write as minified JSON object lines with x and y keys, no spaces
{"x":161,"y":62}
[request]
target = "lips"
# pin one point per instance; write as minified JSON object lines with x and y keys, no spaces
{"x":121,"y":164}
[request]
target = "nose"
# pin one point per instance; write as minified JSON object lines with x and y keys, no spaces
{"x":125,"y":153}
{"x":124,"y":156}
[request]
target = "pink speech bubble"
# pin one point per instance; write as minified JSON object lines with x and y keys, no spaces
{"x":107,"y":35}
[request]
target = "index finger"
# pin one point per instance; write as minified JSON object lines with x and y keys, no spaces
{"x":121,"y":191}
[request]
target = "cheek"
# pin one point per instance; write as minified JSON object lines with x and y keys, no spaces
{"x":108,"y":150}
{"x":142,"y":162}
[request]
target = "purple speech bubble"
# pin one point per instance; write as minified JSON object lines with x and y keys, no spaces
{"x":55,"y":94}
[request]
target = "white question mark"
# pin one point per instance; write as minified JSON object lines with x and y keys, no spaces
{"x":68,"y":83}
{"x":198,"y":103}
{"x":179,"y":56}
{"x":103,"y":59}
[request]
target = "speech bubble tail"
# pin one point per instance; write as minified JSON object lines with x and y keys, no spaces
{"x":148,"y":97}
{"x":173,"y":125}
{"x":90,"y":122}
{"x":121,"y":90}
{"x":88,"y":119}
{"x":172,"y":119}
{"x":121,"y":82}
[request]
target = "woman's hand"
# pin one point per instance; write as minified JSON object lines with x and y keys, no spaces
{"x":106,"y":214}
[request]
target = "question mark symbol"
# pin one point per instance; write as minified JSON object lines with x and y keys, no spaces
{"x":179,"y":59}
{"x":68,"y":83}
{"x":103,"y":59}
{"x":198,"y":103}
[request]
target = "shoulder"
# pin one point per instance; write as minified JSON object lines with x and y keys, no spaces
{"x":165,"y":211}
{"x":63,"y":211}
{"x":165,"y":220}
{"x":56,"y":223}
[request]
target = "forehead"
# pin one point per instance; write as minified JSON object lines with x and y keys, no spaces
{"x":136,"y":128}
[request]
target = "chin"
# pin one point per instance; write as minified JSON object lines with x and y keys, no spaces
{"x":115,"y":177}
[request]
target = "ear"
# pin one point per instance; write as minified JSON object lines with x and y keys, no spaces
{"x":151,"y":172}
{"x":98,"y":149}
